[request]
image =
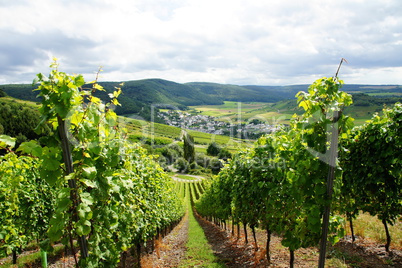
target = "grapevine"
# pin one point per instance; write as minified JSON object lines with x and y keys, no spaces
{"x":373,"y":164}
{"x":114,"y":196}
{"x":26,"y":200}
{"x":281,"y":183}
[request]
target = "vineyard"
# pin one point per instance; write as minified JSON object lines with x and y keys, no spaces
{"x":85,"y":186}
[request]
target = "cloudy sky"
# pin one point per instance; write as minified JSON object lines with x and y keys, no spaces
{"x":260,"y":42}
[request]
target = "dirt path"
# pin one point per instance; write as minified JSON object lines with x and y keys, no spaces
{"x":170,"y":250}
{"x":196,"y":178}
{"x":235,"y":253}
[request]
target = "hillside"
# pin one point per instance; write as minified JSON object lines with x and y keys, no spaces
{"x":137,"y":95}
{"x":19,"y":119}
{"x":240,"y":93}
{"x":248,"y":93}
{"x":254,"y":93}
{"x":143,"y":97}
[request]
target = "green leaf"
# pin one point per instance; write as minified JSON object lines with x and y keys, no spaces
{"x":51,"y":176}
{"x":79,"y":81}
{"x":83,"y":228}
{"x":7,"y":141}
{"x":64,"y":203}
{"x":46,"y":246}
{"x":55,"y":233}
{"x":84,"y":212}
{"x":86,"y":198}
{"x":89,"y":172}
{"x":30,"y":147}
{"x":89,"y":183}
{"x":51,"y":164}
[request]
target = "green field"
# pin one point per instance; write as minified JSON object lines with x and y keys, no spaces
{"x":278,"y":113}
{"x":232,"y":112}
{"x":14,"y":100}
{"x":160,"y":134}
{"x":230,"y":109}
{"x":243,"y":112}
{"x":385,"y":94}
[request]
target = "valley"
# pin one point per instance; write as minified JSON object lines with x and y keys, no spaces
{"x":128,"y":164}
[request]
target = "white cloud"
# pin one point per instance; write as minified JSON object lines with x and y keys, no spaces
{"x":238,"y":41}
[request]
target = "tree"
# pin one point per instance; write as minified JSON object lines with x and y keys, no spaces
{"x":224,"y":154}
{"x":2,"y":93}
{"x":19,"y":121}
{"x":213,"y":149}
{"x":215,"y":165}
{"x":182,"y":165}
{"x":189,"y":151}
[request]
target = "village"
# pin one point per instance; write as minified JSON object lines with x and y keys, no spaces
{"x":209,"y":124}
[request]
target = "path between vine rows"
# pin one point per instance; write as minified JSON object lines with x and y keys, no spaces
{"x":171,"y":250}
{"x":235,"y":253}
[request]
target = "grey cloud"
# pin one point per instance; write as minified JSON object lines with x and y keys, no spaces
{"x":23,"y":50}
{"x":275,"y":41}
{"x":16,"y":52}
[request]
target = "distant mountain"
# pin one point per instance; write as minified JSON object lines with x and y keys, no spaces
{"x":166,"y":92}
{"x":250,"y":93}
{"x":241,"y":93}
{"x":139,"y":96}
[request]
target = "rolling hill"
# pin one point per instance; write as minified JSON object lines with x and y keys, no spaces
{"x":142,"y":96}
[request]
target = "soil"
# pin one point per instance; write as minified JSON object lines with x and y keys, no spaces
{"x":170,"y":250}
{"x":234,"y":252}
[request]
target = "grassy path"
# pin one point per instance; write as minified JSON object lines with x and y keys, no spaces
{"x":199,"y":252}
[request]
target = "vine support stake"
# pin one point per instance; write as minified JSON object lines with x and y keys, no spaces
{"x":330,"y":182}
{"x":339,"y":66}
{"x":43,"y":256}
{"x":68,"y":161}
{"x":333,"y":154}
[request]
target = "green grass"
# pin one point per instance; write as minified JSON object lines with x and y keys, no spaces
{"x":277,"y":113}
{"x":385,"y":94}
{"x":280,"y":112}
{"x":339,"y":259}
{"x":30,"y":259}
{"x":199,"y":252}
{"x":27,"y":103}
{"x":232,"y":111}
{"x":371,"y":227}
{"x":160,"y":134}
{"x":185,"y":177}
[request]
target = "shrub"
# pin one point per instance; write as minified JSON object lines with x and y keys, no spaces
{"x":224,"y":154}
{"x":182,"y":165}
{"x":202,"y":160}
{"x":215,"y":165}
{"x":213,"y":149}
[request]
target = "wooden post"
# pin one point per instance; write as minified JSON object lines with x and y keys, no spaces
{"x":68,"y":162}
{"x":330,"y":182}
